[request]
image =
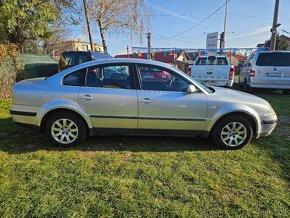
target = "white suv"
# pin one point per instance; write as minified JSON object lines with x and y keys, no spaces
{"x":270,"y":70}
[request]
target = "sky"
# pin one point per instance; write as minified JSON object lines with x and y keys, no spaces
{"x":248,"y":23}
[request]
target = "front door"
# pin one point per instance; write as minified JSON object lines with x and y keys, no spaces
{"x":109,"y":97}
{"x":165,"y":104}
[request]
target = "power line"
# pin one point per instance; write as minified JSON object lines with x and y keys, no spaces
{"x":196,"y":25}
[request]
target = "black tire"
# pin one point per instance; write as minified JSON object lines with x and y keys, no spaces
{"x":247,"y":88}
{"x":77,"y":132}
{"x":220,"y":126}
{"x":286,"y":92}
{"x":240,"y":84}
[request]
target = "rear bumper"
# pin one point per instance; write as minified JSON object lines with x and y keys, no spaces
{"x":269,"y":83}
{"x":24,"y":114}
{"x":269,"y":86}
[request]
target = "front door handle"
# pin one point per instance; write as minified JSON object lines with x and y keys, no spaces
{"x":86,"y":97}
{"x":145,"y":100}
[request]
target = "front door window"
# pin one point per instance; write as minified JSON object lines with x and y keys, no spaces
{"x":159,"y":79}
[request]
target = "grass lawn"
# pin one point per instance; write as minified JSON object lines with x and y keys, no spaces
{"x":144,"y":176}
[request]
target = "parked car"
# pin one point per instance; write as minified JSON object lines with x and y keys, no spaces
{"x":268,"y":70}
{"x":90,"y":99}
{"x":72,"y":58}
{"x":213,"y":70}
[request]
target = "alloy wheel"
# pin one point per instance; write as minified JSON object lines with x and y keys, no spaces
{"x":234,"y":134}
{"x":64,"y":131}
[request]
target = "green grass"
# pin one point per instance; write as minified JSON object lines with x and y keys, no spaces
{"x":144,"y":176}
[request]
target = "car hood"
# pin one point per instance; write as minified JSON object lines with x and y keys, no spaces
{"x":234,"y":96}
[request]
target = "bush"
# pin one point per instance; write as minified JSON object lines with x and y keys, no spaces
{"x":11,"y":69}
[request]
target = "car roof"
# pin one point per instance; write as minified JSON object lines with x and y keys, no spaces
{"x":122,"y":60}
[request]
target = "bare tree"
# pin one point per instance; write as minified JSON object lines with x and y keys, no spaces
{"x":120,"y":17}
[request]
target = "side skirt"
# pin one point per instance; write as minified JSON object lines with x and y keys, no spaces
{"x":148,"y":132}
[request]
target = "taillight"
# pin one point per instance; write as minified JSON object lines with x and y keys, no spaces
{"x":252,"y":73}
{"x":232,"y":73}
{"x":188,"y":72}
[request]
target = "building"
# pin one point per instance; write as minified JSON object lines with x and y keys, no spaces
{"x":56,"y":48}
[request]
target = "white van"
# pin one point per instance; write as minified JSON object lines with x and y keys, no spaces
{"x":213,"y":71}
{"x":268,"y":70}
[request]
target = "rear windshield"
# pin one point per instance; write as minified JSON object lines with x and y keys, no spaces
{"x":97,"y":55}
{"x":212,"y":60}
{"x":273,"y":59}
{"x":201,"y":61}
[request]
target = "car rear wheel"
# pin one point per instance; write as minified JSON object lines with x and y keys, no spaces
{"x":232,"y":132}
{"x":247,"y":88}
{"x":66,"y":129}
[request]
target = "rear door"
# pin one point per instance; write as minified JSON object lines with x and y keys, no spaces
{"x":109,"y":96}
{"x":273,"y":68}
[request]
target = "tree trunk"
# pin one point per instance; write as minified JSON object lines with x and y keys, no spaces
{"x":102,"y":33}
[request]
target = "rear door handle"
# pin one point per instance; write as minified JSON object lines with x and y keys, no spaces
{"x":145,"y":100}
{"x":86,"y":97}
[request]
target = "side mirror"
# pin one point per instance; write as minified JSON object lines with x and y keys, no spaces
{"x":191,"y":89}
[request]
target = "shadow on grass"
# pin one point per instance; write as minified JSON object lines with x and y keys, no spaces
{"x":15,"y":139}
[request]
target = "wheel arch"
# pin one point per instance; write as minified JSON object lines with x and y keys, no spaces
{"x":250,"y":117}
{"x":49,"y":113}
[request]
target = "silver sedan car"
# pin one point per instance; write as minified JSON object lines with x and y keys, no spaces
{"x":133,"y":96}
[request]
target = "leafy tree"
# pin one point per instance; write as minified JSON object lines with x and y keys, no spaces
{"x":281,"y":43}
{"x":28,"y":20}
{"x":120,"y":17}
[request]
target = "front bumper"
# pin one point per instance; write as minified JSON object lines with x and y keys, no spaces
{"x":267,"y":126}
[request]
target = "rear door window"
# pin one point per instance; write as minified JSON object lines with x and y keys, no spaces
{"x":274,"y":59}
{"x":116,"y":76}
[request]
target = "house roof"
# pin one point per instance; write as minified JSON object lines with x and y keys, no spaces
{"x":240,"y":57}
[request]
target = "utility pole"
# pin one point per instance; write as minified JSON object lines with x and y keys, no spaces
{"x":149,"y":44}
{"x":88,"y":24}
{"x":274,"y":27}
{"x":223,"y":38}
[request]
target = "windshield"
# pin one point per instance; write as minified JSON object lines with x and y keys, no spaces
{"x":206,"y":88}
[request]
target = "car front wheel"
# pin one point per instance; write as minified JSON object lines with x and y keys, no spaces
{"x":66,"y":129}
{"x":232,"y":132}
